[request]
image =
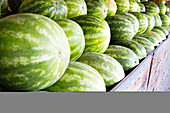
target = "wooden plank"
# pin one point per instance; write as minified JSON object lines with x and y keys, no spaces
{"x":137,"y":80}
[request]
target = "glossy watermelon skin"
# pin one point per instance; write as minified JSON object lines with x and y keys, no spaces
{"x":3,"y":8}
{"x":54,"y":9}
{"x":121,"y":28}
{"x":75,"y":37}
{"x":134,"y":6}
{"x":151,"y":7}
{"x":137,"y":48}
{"x":76,"y":8}
{"x":161,"y":33}
{"x":111,"y":7}
{"x":97,"y":8}
{"x":155,"y":34}
{"x":110,"y":69}
{"x":158,"y":21}
{"x":96,"y":32}
{"x":14,"y":5}
{"x":147,"y":44}
{"x":162,"y":8}
{"x":34,"y":54}
{"x":163,"y":29}
{"x":122,"y":5}
{"x":165,"y":20}
{"x":142,"y":7}
{"x":151,"y":21}
{"x":79,"y":77}
{"x":125,"y":56}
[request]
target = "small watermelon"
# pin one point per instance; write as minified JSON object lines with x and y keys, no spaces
{"x":142,"y":7}
{"x":161,"y":33}
{"x":111,"y":7}
{"x":158,"y":21}
{"x":151,"y":7}
{"x":122,"y":5}
{"x":151,"y":38}
{"x":162,"y":8}
{"x":165,"y":20}
{"x":151,"y":21}
{"x":163,"y":29}
{"x":155,"y":34}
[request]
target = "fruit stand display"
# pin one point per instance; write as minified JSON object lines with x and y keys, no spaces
{"x":83,"y":45}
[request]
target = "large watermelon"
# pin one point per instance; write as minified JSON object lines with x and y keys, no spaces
{"x":161,"y":33}
{"x":163,"y":29}
{"x":125,"y":56}
{"x":79,"y":77}
{"x":134,"y":6}
{"x":121,"y":28}
{"x":97,"y":8}
{"x":54,"y":9}
{"x":137,"y":48}
{"x":142,"y":7}
{"x":151,"y":21}
{"x":143,"y":22}
{"x":110,"y":69}
{"x":122,"y":5}
{"x":151,"y":7}
{"x":34,"y":51}
{"x":76,"y":8}
{"x":14,"y":5}
{"x":3,"y":8}
{"x":132,"y":19}
{"x":151,"y":38}
{"x":155,"y":34}
{"x":75,"y":37}
{"x":147,"y":44}
{"x":162,"y":8}
{"x":96,"y":33}
{"x":165,"y":20}
{"x":158,"y":21}
{"x":111,"y":7}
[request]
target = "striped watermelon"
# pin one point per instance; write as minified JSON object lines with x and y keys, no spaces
{"x":34,"y":51}
{"x":79,"y":77}
{"x":14,"y":5}
{"x":54,"y":9}
{"x":137,"y":48}
{"x":134,"y":6}
{"x":147,"y":44}
{"x":125,"y":56}
{"x":151,"y":21}
{"x":151,"y":38}
{"x":121,"y":28}
{"x":97,"y":8}
{"x":110,"y":69}
{"x":3,"y":8}
{"x":162,"y":8}
{"x":161,"y":33}
{"x":151,"y":7}
{"x":75,"y":37}
{"x":163,"y":29}
{"x":155,"y":34}
{"x":132,"y":19}
{"x":167,"y":9}
{"x":158,"y":21}
{"x":143,"y":22}
{"x":122,"y":5}
{"x":111,"y":7}
{"x":165,"y":20}
{"x":96,"y":33}
{"x":142,"y":7}
{"x":76,"y":8}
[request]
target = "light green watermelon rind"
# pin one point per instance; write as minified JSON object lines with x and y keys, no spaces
{"x":163,"y":36}
{"x":142,"y":7}
{"x":151,"y":7}
{"x":34,"y":54}
{"x":158,"y":21}
{"x":125,"y":56}
{"x":111,"y":7}
{"x":110,"y":69}
{"x":165,"y":20}
{"x":155,"y":34}
{"x":79,"y":77}
{"x":151,"y":21}
{"x":134,"y":6}
{"x":162,"y":8}
{"x":163,"y":29}
{"x":122,"y":5}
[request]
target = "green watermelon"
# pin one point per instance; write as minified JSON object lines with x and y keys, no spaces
{"x":158,"y":21}
{"x":125,"y":56}
{"x":75,"y":37}
{"x":79,"y":77}
{"x":121,"y":28}
{"x":165,"y":20}
{"x":162,"y":8}
{"x":161,"y":33}
{"x":147,"y":44}
{"x":110,"y":69}
{"x":34,"y":51}
{"x":168,"y":14}
{"x":111,"y":7}
{"x":155,"y":34}
{"x":76,"y":8}
{"x":134,"y":6}
{"x":151,"y":21}
{"x":54,"y":9}
{"x":14,"y":5}
{"x":167,"y":9}
{"x":163,"y":29}
{"x":3,"y":8}
{"x":168,"y":28}
{"x":96,"y":33}
{"x":142,"y":7}
{"x":97,"y":8}
{"x":132,"y":19}
{"x":143,"y":22}
{"x":137,"y":48}
{"x":151,"y":7}
{"x":151,"y":38}
{"x":122,"y":5}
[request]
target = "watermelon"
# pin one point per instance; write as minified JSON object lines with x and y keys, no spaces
{"x":151,"y":38}
{"x":76,"y":8}
{"x":167,"y":28}
{"x":121,"y":28}
{"x":168,"y":14}
{"x":155,"y":34}
{"x":162,"y":8}
{"x":151,"y":21}
{"x":97,"y":8}
{"x":142,"y":7}
{"x":161,"y":33}
{"x":143,"y":22}
{"x":54,"y":9}
{"x":75,"y":37}
{"x":165,"y":20}
{"x":14,"y":5}
{"x":138,"y":1}
{"x":137,"y":48}
{"x":110,"y":69}
{"x":134,"y":6}
{"x":111,"y":7}
{"x":132,"y":19}
{"x":96,"y":32}
{"x":167,"y":9}
{"x":147,"y":44}
{"x":34,"y":51}
{"x":158,"y":21}
{"x":3,"y":8}
{"x":125,"y":56}
{"x":79,"y":77}
{"x":163,"y":29}
{"x":151,"y":7}
{"x":122,"y":5}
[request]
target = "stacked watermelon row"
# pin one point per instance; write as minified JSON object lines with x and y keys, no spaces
{"x":75,"y":45}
